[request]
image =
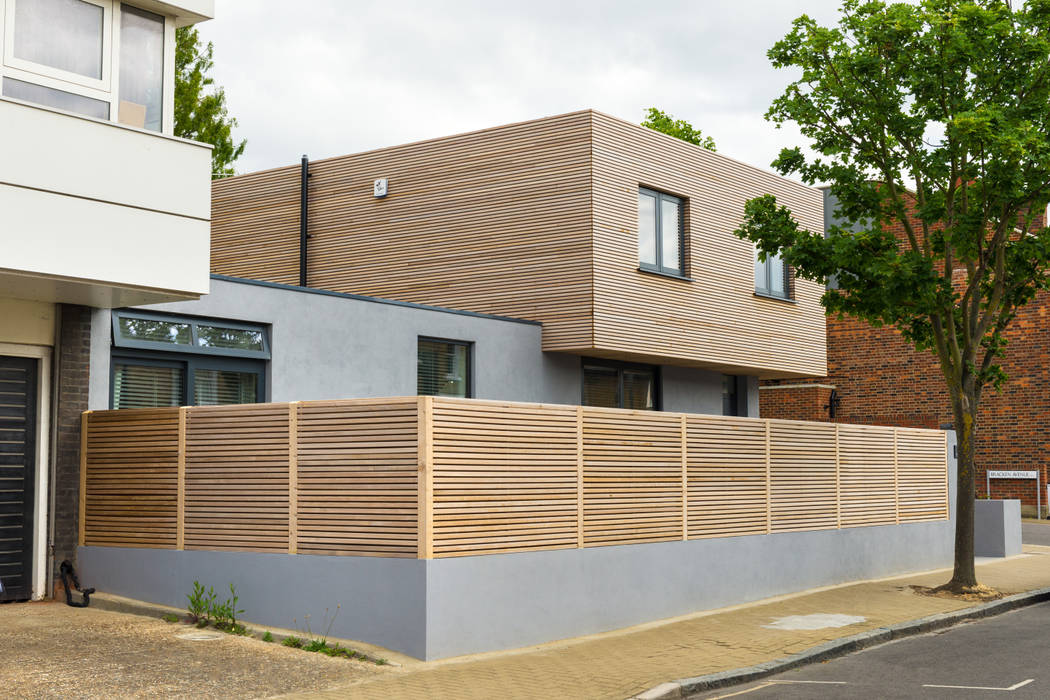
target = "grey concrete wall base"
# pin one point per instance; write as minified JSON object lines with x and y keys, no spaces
{"x":839,"y":647}
{"x":997,"y":528}
{"x":382,"y":601}
{"x":433,"y":609}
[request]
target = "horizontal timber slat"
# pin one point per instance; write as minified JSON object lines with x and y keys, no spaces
{"x":499,"y":477}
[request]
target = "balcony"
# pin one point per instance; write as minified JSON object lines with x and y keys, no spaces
{"x":100,"y":214}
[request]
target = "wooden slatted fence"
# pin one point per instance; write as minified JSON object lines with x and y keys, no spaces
{"x":440,"y":477}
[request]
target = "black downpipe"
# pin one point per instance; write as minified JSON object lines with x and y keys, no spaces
{"x":304,"y":200}
{"x":67,"y":572}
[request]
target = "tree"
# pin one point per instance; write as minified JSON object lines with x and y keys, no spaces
{"x":198,"y":115}
{"x":658,"y":120}
{"x":939,"y":110}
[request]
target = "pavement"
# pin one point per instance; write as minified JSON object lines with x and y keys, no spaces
{"x":624,"y":664}
{"x":48,"y":649}
{"x":1004,"y":655}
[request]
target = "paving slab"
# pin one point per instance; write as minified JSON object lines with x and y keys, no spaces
{"x":51,"y":650}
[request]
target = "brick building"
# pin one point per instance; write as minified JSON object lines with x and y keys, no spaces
{"x":876,"y":377}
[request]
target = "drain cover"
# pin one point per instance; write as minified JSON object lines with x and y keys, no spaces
{"x":200,"y":636}
{"x":817,"y":621}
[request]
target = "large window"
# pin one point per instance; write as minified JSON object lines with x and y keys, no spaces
{"x":444,"y":368}
{"x":660,"y":232}
{"x":100,"y":58}
{"x":161,"y":360}
{"x":771,"y":276}
{"x":620,"y":385}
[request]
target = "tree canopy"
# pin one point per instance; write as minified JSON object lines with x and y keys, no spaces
{"x":658,"y":120}
{"x":934,"y":117}
{"x":202,"y":115}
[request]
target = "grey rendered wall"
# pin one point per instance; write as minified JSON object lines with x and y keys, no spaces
{"x":689,"y":390}
{"x":511,"y":600}
{"x":383,"y":601}
{"x":329,"y":346}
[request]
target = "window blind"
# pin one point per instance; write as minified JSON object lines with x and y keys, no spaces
{"x":214,"y":387}
{"x":147,"y":386}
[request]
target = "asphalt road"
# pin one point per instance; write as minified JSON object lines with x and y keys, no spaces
{"x":1036,"y":533}
{"x":1005,"y":657}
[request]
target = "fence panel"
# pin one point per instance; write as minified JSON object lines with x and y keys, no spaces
{"x":505,"y":477}
{"x":867,"y":475}
{"x":632,"y":476}
{"x":802,"y":476}
{"x":130,"y":494}
{"x":357,"y":477}
{"x":727,"y":477}
{"x":237,"y":477}
{"x":923,"y":477}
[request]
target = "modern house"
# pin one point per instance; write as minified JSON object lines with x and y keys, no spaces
{"x":93,"y":190}
{"x":875,"y":377}
{"x":487,"y":391}
{"x":616,"y":239}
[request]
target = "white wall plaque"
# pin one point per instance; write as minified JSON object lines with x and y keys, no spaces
{"x":1013,"y":474}
{"x":379,"y":187}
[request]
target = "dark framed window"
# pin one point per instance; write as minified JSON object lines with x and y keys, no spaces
{"x":609,"y":384}
{"x":771,"y":277}
{"x":734,"y":395}
{"x":444,"y":367}
{"x":164,"y":360}
{"x":661,"y":232}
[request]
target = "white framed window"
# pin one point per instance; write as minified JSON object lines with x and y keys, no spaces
{"x":99,"y":58}
{"x":68,"y":41}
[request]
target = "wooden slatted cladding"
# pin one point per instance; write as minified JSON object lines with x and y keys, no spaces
{"x":357,"y":485}
{"x":440,"y":477}
{"x":539,"y":220}
{"x":131,"y":485}
{"x":237,"y":477}
{"x":728,"y":493}
{"x":495,"y":221}
{"x":505,"y":477}
{"x":255,"y":225}
{"x":715,"y":320}
{"x":632,"y":476}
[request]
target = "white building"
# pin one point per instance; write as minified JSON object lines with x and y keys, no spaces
{"x":100,"y":207}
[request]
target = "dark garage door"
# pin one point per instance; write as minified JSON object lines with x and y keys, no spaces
{"x":17,"y":474}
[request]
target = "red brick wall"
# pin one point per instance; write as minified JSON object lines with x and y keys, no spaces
{"x":880,"y":380}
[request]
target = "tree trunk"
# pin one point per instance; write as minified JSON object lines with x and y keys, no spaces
{"x":964,"y":576}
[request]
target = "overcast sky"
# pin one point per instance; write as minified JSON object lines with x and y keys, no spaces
{"x":329,"y":77}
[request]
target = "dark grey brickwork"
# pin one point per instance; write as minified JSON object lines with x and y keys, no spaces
{"x":74,"y":365}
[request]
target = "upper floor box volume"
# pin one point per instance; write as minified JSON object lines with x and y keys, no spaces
{"x":617,"y":238}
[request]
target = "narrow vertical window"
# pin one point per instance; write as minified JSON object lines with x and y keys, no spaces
{"x":443,"y":368}
{"x":771,"y":276}
{"x":660,"y":232}
{"x":141,"y":68}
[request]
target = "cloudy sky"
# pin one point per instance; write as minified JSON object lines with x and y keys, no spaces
{"x":341,"y":76}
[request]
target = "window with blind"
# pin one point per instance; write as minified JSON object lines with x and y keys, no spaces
{"x":161,"y":360}
{"x":620,"y":385}
{"x":443,"y":368}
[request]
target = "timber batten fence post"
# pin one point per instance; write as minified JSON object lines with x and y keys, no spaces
{"x":425,"y":491}
{"x":82,"y":504}
{"x":293,"y":477}
{"x":579,"y":477}
{"x":180,"y":489}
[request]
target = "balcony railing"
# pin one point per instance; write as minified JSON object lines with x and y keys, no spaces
{"x":435,"y":477}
